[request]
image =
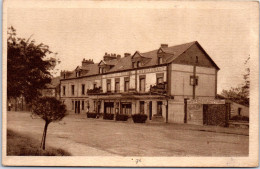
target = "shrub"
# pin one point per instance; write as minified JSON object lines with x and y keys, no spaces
{"x":240,"y":118}
{"x":108,"y":116}
{"x":121,"y":117}
{"x":139,"y":118}
{"x":91,"y":115}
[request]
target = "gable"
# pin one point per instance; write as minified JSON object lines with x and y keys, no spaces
{"x":160,"y":51}
{"x":101,"y":63}
{"x":189,"y":57}
{"x":78,"y":68}
{"x":136,"y":55}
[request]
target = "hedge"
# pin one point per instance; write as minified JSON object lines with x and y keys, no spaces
{"x":240,"y":118}
{"x":91,"y":115}
{"x":139,"y":118}
{"x":121,"y":117}
{"x":108,"y":116}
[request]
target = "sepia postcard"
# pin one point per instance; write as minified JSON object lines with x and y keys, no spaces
{"x":130,"y":83}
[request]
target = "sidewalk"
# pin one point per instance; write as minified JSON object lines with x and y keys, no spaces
{"x":216,"y":129}
{"x":177,"y":126}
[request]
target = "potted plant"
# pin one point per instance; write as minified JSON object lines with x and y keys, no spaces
{"x":91,"y":115}
{"x":139,"y":118}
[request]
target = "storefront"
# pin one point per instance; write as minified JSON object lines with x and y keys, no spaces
{"x":151,"y":105}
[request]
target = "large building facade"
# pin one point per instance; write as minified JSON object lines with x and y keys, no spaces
{"x":154,"y":83}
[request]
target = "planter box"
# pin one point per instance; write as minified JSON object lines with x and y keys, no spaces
{"x":91,"y":115}
{"x":121,"y":117}
{"x":139,"y":118}
{"x":108,"y":116}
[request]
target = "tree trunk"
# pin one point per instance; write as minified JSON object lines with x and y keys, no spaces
{"x":15,"y":108}
{"x":42,"y":138}
{"x":44,"y":135}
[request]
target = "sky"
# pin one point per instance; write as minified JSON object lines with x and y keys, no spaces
{"x":77,"y":33}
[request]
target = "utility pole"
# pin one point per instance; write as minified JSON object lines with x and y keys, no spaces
{"x":194,"y":78}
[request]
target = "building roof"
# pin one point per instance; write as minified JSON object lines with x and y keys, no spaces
{"x":148,"y":59}
{"x":54,"y":82}
{"x":219,"y":96}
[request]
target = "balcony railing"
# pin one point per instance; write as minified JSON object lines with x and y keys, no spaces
{"x":96,"y":90}
{"x":154,"y":89}
{"x":160,"y":88}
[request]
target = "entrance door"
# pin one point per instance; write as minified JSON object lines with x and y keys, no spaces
{"x":159,"y":108}
{"x":150,"y":110}
{"x":78,"y":107}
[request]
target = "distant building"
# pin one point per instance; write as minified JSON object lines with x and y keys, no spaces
{"x":52,"y":89}
{"x":152,"y":83}
{"x":19,"y":104}
{"x":236,"y":109}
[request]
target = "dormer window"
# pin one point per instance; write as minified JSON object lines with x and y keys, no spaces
{"x":100,"y":70}
{"x":160,"y":60}
{"x":78,"y":74}
{"x":138,"y":64}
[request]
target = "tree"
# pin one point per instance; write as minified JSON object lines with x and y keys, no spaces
{"x":28,"y":66}
{"x":240,"y":94}
{"x":50,"y":110}
{"x":246,"y":77}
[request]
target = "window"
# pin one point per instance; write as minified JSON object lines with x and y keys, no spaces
{"x":78,"y":74}
{"x":82,"y":104}
{"x":126,"y":108}
{"x":100,"y":70}
{"x":194,"y":80}
{"x":239,"y":111}
{"x":138,"y":64}
{"x":83,"y":89}
{"x":142,"y":83}
{"x":72,"y":89}
{"x":64,"y":76}
{"x":141,"y":107}
{"x":159,"y":78}
{"x":159,"y":108}
{"x":64,"y":90}
{"x":126,"y":85}
{"x":72,"y":105}
{"x":109,"y":107}
{"x":108,"y":85}
{"x":117,"y":85}
{"x":160,"y":60}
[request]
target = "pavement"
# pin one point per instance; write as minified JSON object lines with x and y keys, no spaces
{"x":97,"y":137}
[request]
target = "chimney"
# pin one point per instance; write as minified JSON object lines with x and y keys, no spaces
{"x":164,"y":45}
{"x":118,"y":57}
{"x":87,"y":62}
{"x":111,"y":56}
{"x":127,"y":54}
